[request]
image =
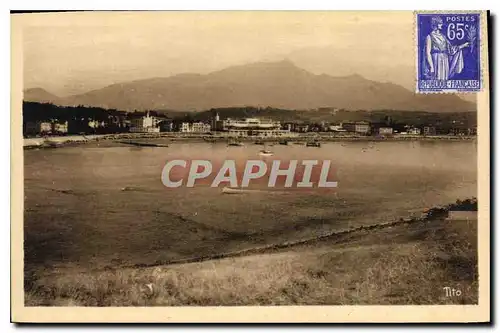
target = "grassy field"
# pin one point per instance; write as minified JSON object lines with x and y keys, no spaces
{"x":404,"y":264}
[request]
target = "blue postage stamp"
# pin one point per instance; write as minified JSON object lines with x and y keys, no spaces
{"x":448,"y":47}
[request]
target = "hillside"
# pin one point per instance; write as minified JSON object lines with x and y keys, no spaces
{"x":40,"y":95}
{"x":405,"y":264}
{"x":326,"y":59}
{"x":274,"y":84}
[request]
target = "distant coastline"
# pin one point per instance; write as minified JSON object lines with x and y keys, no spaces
{"x":61,"y":141}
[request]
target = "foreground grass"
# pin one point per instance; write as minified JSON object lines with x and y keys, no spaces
{"x":408,"y":264}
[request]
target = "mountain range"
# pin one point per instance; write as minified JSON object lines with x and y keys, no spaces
{"x":279,"y":84}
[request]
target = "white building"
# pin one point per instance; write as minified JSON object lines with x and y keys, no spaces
{"x":185,"y":127}
{"x":200,"y":127}
{"x":336,"y":128}
{"x":215,"y":120}
{"x":414,"y":131}
{"x":61,"y":128}
{"x":385,"y":130}
{"x":145,"y":124}
{"x":252,"y":127}
{"x":197,"y":127}
{"x":96,"y":124}
{"x":45,"y":127}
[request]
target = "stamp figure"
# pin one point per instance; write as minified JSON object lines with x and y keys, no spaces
{"x":448,"y":52}
{"x":191,"y":166}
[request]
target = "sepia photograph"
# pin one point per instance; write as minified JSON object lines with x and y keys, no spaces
{"x":313,"y":163}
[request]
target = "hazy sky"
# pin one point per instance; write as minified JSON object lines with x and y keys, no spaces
{"x":77,"y":52}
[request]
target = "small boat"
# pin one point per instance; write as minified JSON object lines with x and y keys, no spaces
{"x":266,"y":152}
{"x":259,"y":142}
{"x":231,"y":190}
{"x":50,"y":143}
{"x":236,"y":190}
{"x":235,"y":143}
{"x":313,"y":144}
{"x":283,"y":142}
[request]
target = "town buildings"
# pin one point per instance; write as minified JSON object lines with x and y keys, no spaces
{"x":358,"y":127}
{"x":195,"y":127}
{"x":300,"y":128}
{"x":60,"y":127}
{"x":429,"y":130}
{"x":53,"y":127}
{"x":166,"y":125}
{"x":92,"y":122}
{"x":336,"y":128}
{"x":251,"y":127}
{"x":200,"y":127}
{"x":37,"y":128}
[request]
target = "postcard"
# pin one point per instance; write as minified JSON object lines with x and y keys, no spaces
{"x":250,"y":166}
